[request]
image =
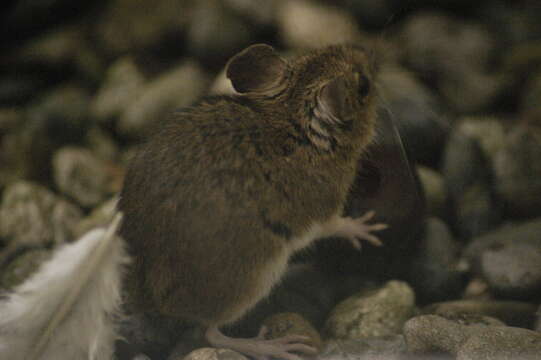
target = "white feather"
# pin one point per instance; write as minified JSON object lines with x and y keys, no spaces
{"x":66,"y":310}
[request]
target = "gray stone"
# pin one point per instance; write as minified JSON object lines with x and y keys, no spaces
{"x":513,"y":270}
{"x":82,"y":176}
{"x":13,"y":166}
{"x":261,"y":12}
{"x":435,"y":191}
{"x":417,"y":113}
{"x":212,"y":354}
{"x":101,"y":144}
{"x":216,"y":33}
{"x":307,"y":24}
{"x":468,"y":176}
{"x":284,"y":324}
{"x":33,"y":217}
{"x":123,"y":82}
{"x":489,"y":132}
{"x":63,"y":48}
{"x":388,"y":348}
{"x":435,"y":274}
{"x":431,"y":333}
{"x":538,"y":322}
{"x":517,"y":167}
{"x":508,"y":259}
{"x":126,"y":26}
{"x":513,"y":313}
{"x":378,"y":313}
{"x":176,"y":88}
{"x":455,"y":52}
{"x":532,"y":93}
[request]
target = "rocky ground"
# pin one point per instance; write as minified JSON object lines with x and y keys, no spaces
{"x":460,"y":273}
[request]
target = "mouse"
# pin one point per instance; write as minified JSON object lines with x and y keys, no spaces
{"x":224,"y":192}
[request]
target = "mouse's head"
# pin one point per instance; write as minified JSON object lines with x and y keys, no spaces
{"x":329,"y":92}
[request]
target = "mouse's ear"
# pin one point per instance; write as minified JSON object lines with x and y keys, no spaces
{"x":332,"y":102}
{"x":257,"y":68}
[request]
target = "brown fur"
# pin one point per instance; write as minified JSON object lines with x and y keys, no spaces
{"x":225,"y":187}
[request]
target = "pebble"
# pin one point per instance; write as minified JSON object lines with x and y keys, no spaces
{"x":435,"y":274}
{"x":517,"y":167}
{"x":80,"y":175}
{"x":468,"y":176}
{"x":532,"y":93}
{"x":428,"y":334}
{"x":308,"y":24}
{"x":125,"y":26}
{"x":212,"y":354}
{"x":216,"y":33}
{"x":418,"y":113}
{"x":284,"y":324}
{"x":387,"y":348}
{"x":513,"y":270}
{"x":489,"y":132}
{"x":176,"y":88}
{"x":513,"y":313}
{"x":435,"y":191}
{"x":508,"y":259}
{"x":122,"y":83}
{"x":63,"y":49}
{"x":377,"y":313}
{"x":455,"y":52}
{"x":33,"y":217}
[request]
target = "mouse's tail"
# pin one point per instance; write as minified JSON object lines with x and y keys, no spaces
{"x":67,"y":309}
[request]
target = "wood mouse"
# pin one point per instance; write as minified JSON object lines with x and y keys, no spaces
{"x":225,"y":191}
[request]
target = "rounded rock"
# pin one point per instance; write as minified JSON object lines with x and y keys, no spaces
{"x":377,"y":313}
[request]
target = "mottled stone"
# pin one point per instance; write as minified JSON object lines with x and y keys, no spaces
{"x":388,"y":348}
{"x":127,"y":26}
{"x":377,"y":313}
{"x":468,"y":175}
{"x":417,"y":112}
{"x":33,"y":217}
{"x":176,"y":88}
{"x":82,"y":176}
{"x":431,"y":333}
{"x":308,"y":24}
{"x":508,"y":259}
{"x":513,"y":313}
{"x":489,"y":132}
{"x":284,"y":324}
{"x":435,"y":191}
{"x":123,"y":82}
{"x":457,"y":54}
{"x":212,"y":354}
{"x":517,"y":167}
{"x":513,"y":270}
{"x":215,"y":33}
{"x":435,"y":274}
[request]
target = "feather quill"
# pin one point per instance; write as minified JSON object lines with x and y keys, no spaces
{"x":67,"y":309}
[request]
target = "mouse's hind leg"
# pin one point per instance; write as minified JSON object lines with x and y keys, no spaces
{"x":261,"y":348}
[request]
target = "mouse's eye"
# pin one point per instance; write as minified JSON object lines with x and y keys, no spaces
{"x":363,"y":86}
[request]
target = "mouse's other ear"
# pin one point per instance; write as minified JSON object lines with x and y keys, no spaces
{"x":332,"y":105}
{"x":257,"y":68}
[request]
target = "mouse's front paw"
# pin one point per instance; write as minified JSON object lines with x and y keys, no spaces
{"x":359,"y":229}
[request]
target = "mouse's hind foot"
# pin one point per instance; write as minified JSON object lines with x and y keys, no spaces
{"x":260,"y":348}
